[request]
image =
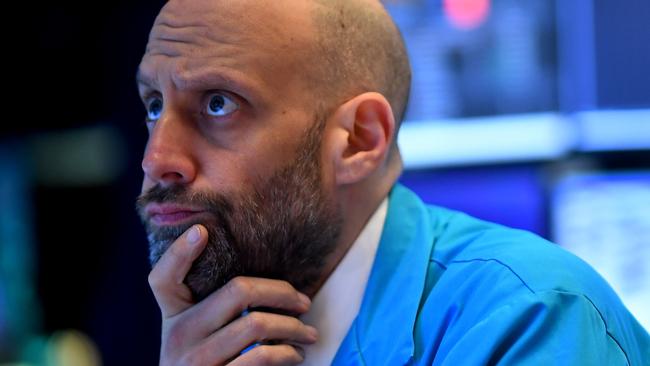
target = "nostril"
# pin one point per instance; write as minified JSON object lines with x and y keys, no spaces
{"x":172,"y":177}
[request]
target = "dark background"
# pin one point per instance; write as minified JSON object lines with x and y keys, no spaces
{"x":73,"y":69}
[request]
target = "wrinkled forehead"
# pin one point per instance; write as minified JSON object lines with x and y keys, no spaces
{"x":262,"y":46}
{"x":258,"y":24}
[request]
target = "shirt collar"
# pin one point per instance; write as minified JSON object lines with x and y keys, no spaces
{"x":338,"y":301}
{"x":382,"y":333}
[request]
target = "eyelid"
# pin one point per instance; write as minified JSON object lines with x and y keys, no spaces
{"x":147,"y":96}
{"x":230,"y":95}
{"x":146,"y":100}
{"x":234,"y":97}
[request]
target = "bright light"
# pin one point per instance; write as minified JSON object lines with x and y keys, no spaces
{"x":485,"y":140}
{"x":611,"y":130}
{"x":466,"y":14}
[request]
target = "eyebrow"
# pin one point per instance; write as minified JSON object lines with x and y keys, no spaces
{"x":200,"y":81}
{"x":143,"y":79}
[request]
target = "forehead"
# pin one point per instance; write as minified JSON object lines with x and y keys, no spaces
{"x":262,"y":40}
{"x":258,"y":21}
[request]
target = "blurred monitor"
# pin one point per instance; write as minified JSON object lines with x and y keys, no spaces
{"x":478,"y":57}
{"x":500,"y":81}
{"x":604,"y":218}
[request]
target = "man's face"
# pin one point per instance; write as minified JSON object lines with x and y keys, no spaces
{"x":235,"y":144}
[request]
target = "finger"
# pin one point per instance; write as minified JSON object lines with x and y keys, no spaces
{"x":280,"y":354}
{"x":240,"y":294}
{"x":256,"y":327}
{"x":166,"y":278}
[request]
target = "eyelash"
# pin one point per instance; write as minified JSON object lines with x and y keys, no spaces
{"x":147,"y":98}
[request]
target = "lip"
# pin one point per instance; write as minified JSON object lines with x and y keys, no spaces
{"x":170,"y":214}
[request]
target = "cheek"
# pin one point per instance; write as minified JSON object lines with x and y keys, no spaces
{"x":221,"y":173}
{"x":252,"y":154}
{"x":231,"y":172}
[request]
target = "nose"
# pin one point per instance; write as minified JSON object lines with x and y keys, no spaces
{"x":168,"y":158}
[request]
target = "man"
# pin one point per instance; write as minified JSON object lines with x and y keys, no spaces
{"x":279,"y":235}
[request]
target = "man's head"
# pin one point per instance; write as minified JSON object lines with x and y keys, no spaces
{"x":271,"y":123}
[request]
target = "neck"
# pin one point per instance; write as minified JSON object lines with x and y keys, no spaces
{"x":358,"y":203}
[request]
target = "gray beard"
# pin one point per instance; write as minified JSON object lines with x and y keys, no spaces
{"x":283,"y":228}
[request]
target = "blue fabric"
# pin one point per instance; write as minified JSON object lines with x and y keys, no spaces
{"x":448,"y":289}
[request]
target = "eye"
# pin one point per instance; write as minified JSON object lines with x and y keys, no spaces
{"x":220,"y":105}
{"x":154,"y":109}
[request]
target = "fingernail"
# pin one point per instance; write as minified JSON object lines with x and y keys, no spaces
{"x":304,"y":299}
{"x":313,"y":332}
{"x":194,"y":235}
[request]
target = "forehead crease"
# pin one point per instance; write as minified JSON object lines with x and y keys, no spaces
{"x":190,"y":74}
{"x":163,"y":31}
{"x":215,"y":38}
{"x":268,"y":40}
{"x":170,"y":39}
{"x":259,"y":23}
{"x":197,"y":74}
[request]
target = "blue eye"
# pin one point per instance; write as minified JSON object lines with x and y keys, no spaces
{"x":154,"y":109}
{"x":220,"y":105}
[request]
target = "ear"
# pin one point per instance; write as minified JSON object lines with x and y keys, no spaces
{"x":366,"y":127}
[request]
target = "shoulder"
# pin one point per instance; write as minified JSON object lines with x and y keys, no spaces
{"x":465,"y":243}
{"x":464,"y":248}
{"x":486,"y":276}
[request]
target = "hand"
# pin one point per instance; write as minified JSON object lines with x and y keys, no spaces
{"x":213,"y":331}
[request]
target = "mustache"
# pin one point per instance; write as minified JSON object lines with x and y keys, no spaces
{"x":213,"y":202}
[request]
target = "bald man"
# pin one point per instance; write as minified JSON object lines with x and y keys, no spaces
{"x":278,"y":233}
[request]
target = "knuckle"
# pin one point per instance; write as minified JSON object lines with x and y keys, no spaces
{"x":264,"y":355}
{"x":154,"y":280}
{"x":296,"y":325}
{"x":288,"y":287}
{"x":239,"y":287}
{"x":293,"y":356}
{"x":175,"y":335}
{"x":256,"y":325}
{"x":276,"y":355}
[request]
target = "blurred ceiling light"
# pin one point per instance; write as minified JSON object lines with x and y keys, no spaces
{"x":72,"y":348}
{"x":466,"y":14}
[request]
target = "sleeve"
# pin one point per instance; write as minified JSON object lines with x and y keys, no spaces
{"x":545,"y":328}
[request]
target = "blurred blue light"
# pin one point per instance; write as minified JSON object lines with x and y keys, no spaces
{"x":485,"y":140}
{"x":610,"y":130}
{"x":515,"y":138}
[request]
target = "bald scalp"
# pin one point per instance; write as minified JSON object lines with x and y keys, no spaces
{"x":336,"y":48}
{"x":359,"y":49}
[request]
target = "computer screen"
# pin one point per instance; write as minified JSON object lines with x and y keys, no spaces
{"x":604,"y":218}
{"x":478,"y":57}
{"x":500,"y":81}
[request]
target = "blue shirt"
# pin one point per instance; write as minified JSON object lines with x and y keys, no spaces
{"x":449,"y":289}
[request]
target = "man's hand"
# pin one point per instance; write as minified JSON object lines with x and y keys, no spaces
{"x":213,"y":332}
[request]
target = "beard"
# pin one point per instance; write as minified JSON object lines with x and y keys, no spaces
{"x":281,"y":228}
